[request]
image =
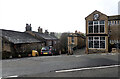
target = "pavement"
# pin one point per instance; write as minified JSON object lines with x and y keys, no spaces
{"x":79,"y":51}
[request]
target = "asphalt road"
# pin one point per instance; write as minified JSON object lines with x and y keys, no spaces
{"x":46,"y":66}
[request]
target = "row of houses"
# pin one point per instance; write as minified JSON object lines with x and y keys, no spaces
{"x":16,"y":43}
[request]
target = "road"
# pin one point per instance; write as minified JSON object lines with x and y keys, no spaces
{"x":47,"y":66}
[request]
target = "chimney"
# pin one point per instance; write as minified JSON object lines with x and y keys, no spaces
{"x":46,"y":32}
{"x":28,"y":27}
{"x":75,"y":31}
{"x":40,"y":30}
{"x":52,"y":33}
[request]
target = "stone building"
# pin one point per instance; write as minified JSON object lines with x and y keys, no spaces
{"x":75,"y":41}
{"x":16,"y":43}
{"x":99,"y":32}
{"x":114,"y":32}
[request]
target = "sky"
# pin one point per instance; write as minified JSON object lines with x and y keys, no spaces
{"x":52,"y":15}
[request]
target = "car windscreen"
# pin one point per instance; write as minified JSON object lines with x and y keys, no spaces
{"x":45,"y":49}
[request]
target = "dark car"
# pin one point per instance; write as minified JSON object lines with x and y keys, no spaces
{"x":48,"y":50}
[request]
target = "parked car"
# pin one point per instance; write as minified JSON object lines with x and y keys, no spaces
{"x":35,"y":53}
{"x":47,"y":50}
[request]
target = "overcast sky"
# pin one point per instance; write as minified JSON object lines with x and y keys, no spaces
{"x":54,"y":15}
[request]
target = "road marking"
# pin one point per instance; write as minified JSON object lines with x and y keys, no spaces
{"x":103,"y":54}
{"x":70,"y":70}
{"x":11,"y":76}
{"x":109,"y":54}
{"x":79,"y":55}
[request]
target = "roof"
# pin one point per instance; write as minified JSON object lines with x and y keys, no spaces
{"x":76,"y":35}
{"x":45,"y":36}
{"x":18,"y":37}
{"x":94,"y":12}
{"x":114,"y":17}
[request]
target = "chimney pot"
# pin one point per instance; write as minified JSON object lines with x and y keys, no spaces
{"x":28,"y":27}
{"x":40,"y":30}
{"x":46,"y":32}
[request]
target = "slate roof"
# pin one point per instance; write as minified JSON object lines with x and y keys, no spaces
{"x":76,"y":35}
{"x":18,"y":37}
{"x":115,"y":17}
{"x":45,"y":36}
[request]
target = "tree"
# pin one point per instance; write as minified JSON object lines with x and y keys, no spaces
{"x":63,"y":44}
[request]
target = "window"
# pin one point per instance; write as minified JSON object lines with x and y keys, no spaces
{"x":90,"y":42}
{"x":102,"y":42}
{"x":90,"y":29}
{"x":90,"y":22}
{"x":112,"y":22}
{"x":118,"y":22}
{"x":96,"y":26}
{"x":102,"y":28}
{"x":102,"y":22}
{"x":115,"y":22}
{"x":72,"y":40}
{"x":90,"y":26}
{"x":96,"y":42}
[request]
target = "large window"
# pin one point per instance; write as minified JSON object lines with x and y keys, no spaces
{"x":96,"y":42}
{"x":96,"y":26}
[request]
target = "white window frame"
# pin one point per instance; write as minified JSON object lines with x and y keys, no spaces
{"x":99,"y":42}
{"x":90,"y":26}
{"x":98,"y":26}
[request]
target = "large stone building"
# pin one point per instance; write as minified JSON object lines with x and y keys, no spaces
{"x":100,"y":32}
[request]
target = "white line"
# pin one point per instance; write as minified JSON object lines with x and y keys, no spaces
{"x":79,"y":55}
{"x":104,"y":54}
{"x":11,"y":76}
{"x":87,"y":68}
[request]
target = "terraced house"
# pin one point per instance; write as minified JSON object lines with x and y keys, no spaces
{"x":15,"y":43}
{"x":75,"y":41}
{"x":99,"y":32}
